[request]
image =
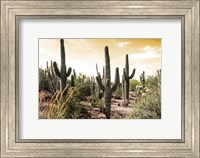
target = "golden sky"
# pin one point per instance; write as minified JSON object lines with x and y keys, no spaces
{"x":83,"y":54}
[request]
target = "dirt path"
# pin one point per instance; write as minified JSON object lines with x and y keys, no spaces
{"x":117,"y":111}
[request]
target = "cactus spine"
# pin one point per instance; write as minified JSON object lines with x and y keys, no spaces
{"x":106,"y":85}
{"x":62,"y":74}
{"x":126,"y":79}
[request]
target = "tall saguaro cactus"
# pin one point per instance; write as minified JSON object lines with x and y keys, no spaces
{"x":126,"y":79}
{"x":62,"y":74}
{"x":106,"y":85}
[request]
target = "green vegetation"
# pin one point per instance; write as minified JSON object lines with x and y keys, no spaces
{"x":43,"y":80}
{"x":149,"y":107}
{"x":82,"y":88}
{"x":133,"y":84}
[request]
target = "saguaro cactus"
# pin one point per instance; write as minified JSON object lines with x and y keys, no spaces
{"x":106,"y":85}
{"x":142,"y":79}
{"x":74,"y":73}
{"x":126,"y":79}
{"x":62,"y":74}
{"x":72,"y":82}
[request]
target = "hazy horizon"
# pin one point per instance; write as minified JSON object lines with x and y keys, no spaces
{"x":83,"y":54}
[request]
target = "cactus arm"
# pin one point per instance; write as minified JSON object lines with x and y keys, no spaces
{"x":56,"y":69}
{"x":99,"y":81}
{"x":114,"y":87}
{"x":133,"y":73}
{"x":69,"y":72}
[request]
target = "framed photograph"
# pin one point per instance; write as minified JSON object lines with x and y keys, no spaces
{"x":100,"y":78}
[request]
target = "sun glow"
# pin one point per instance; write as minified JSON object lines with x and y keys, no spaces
{"x":83,"y":54}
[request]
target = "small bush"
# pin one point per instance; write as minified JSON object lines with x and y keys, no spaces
{"x":82,"y":88}
{"x":75,"y":110}
{"x":43,"y":81}
{"x":118,"y":92}
{"x":59,"y":104}
{"x":48,"y":80}
{"x":133,"y":84}
{"x":149,"y":106}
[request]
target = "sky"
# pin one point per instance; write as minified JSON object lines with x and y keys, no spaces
{"x":83,"y":54}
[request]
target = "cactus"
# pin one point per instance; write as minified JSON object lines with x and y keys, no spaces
{"x":98,"y":90}
{"x":106,"y":85}
{"x":92,"y":91}
{"x":74,"y":73}
{"x":62,"y":74}
{"x":123,"y":88}
{"x":51,"y":78}
{"x":142,"y":79}
{"x":72,"y":82}
{"x":92,"y":85}
{"x":126,"y":80}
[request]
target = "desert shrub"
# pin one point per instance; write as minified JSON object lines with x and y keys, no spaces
{"x":66,"y":107}
{"x":133,"y":84}
{"x":75,"y":110}
{"x":59,"y":104}
{"x":100,"y":104}
{"x":48,"y":80}
{"x":82,"y":87}
{"x":43,"y":81}
{"x":118,"y":92}
{"x":149,"y":107}
{"x":152,"y":82}
{"x":53,"y":80}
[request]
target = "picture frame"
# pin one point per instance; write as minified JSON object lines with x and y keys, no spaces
{"x":12,"y":11}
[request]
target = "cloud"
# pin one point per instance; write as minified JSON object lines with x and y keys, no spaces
{"x":146,"y":53}
{"x":122,"y":44}
{"x":141,"y":56}
{"x":149,"y":49}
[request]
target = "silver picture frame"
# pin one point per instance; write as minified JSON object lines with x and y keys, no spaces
{"x":187,"y":11}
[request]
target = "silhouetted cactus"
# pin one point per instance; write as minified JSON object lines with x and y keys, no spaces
{"x":106,"y":87}
{"x":142,"y":79}
{"x":126,"y":80}
{"x":72,"y":82}
{"x":74,"y":73}
{"x":62,"y":74}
